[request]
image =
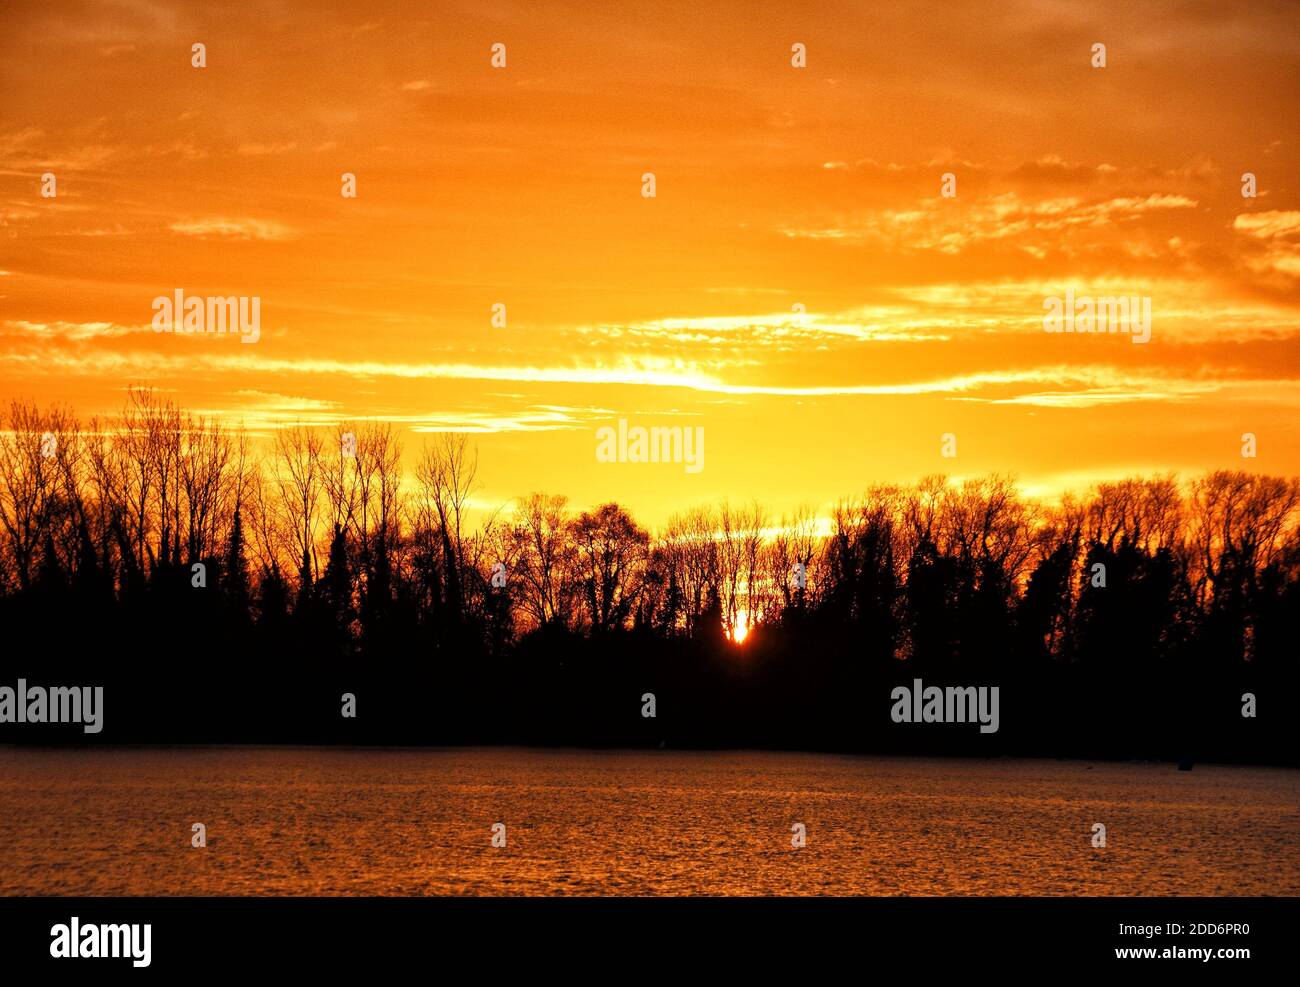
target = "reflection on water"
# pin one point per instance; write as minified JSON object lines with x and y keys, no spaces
{"x":300,"y":821}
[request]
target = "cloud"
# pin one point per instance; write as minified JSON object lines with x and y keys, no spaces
{"x":952,"y":226}
{"x":1279,"y":234}
{"x":233,"y":229}
{"x":1267,"y":225}
{"x":267,"y":409}
{"x":529,"y":420}
{"x":779,"y":330}
{"x":1137,"y":389}
{"x":1079,"y":385}
{"x":72,"y":330}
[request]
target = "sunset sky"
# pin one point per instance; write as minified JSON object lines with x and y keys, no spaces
{"x":777,"y":187}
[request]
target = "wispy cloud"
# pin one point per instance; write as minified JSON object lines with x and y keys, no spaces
{"x":234,"y":229}
{"x":72,"y":330}
{"x":951,"y":226}
{"x":1267,"y":225}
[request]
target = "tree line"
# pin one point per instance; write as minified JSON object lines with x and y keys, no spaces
{"x":320,"y":549}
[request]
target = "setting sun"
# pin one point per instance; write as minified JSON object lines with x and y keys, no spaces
{"x":740,"y":630}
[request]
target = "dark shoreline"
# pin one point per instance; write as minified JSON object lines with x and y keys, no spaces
{"x":52,"y":748}
{"x":705,"y":699}
{"x":54,"y":744}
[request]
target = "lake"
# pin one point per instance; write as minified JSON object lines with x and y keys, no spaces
{"x":298,"y":821}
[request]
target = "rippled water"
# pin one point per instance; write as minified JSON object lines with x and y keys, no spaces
{"x":300,"y":821}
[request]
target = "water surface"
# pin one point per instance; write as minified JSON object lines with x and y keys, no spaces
{"x":295,"y":821}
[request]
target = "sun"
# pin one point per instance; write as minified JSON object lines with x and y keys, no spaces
{"x":740,"y":629}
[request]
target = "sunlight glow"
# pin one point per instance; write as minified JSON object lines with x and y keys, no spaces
{"x":740,"y":630}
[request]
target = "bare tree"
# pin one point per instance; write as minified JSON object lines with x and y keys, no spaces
{"x":688,"y":554}
{"x":206,"y":472}
{"x":445,"y":474}
{"x":31,"y":478}
{"x":545,"y":558}
{"x":791,"y":559}
{"x":296,"y":482}
{"x":612,"y":553}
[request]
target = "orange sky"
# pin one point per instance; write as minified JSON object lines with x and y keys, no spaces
{"x":776,"y":187}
